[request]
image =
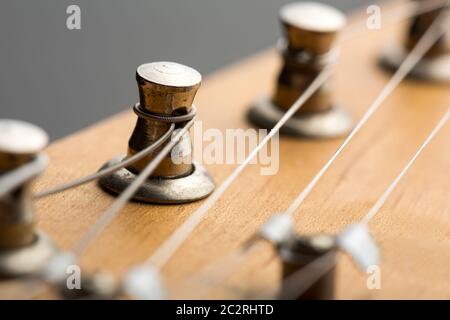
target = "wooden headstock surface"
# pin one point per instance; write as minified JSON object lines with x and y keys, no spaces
{"x":412,"y":229}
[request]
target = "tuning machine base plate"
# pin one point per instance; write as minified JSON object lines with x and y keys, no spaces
{"x":329,"y":124}
{"x":28,"y":259}
{"x":193,"y":187}
{"x":435,"y":70}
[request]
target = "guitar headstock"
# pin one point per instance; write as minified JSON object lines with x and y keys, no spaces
{"x":412,"y":229}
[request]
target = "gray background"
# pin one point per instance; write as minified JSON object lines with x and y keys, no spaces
{"x":64,"y":80}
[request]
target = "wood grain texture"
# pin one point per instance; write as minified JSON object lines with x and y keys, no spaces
{"x":412,"y":229}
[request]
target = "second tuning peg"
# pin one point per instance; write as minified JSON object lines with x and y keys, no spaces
{"x":307,"y":47}
{"x":435,"y":66}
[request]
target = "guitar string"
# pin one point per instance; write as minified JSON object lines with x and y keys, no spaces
{"x":395,"y":15}
{"x":108,"y":171}
{"x":15,"y":178}
{"x":430,"y":37}
{"x":421,"y":48}
{"x":101,"y":223}
{"x":160,"y":141}
{"x":230,"y":180}
{"x":108,"y":215}
{"x":168,"y":248}
{"x":310,"y":273}
{"x":377,"y":206}
{"x":126,"y":195}
{"x":302,"y":280}
{"x":163,"y":253}
{"x":102,"y":173}
{"x":404,"y":69}
{"x":197,"y":216}
{"x":392,"y":15}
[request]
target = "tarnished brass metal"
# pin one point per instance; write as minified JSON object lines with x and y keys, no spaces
{"x":166,"y":89}
{"x":435,"y":66}
{"x":310,"y":30}
{"x":420,"y":25}
{"x":19,"y":143}
{"x":16,"y":220}
{"x":301,"y":251}
{"x":23,"y":250}
{"x":311,"y":27}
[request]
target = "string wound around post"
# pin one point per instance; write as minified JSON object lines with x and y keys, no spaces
{"x":166,"y":91}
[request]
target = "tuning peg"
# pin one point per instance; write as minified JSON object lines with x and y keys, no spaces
{"x":307,"y":47}
{"x":435,"y":66}
{"x":298,"y":253}
{"x":23,"y":249}
{"x":314,"y":257}
{"x":166,"y":92}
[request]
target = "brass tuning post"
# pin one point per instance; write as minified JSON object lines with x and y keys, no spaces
{"x":307,"y":47}
{"x":166,"y":95}
{"x":435,"y":65}
{"x":300,"y":251}
{"x":299,"y":254}
{"x":23,"y":249}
